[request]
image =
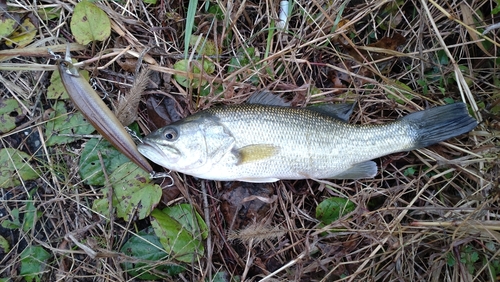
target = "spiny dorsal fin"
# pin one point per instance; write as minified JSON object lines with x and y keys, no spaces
{"x":338,"y":111}
{"x":266,"y":97}
{"x":256,"y":152}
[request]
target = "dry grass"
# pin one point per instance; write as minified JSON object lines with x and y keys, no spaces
{"x":429,"y":215}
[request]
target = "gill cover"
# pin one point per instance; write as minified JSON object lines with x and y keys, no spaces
{"x":219,"y":141}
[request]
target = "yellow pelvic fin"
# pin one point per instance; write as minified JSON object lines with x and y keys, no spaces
{"x":256,"y":152}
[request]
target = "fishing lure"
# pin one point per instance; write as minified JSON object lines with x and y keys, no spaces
{"x":97,"y":113}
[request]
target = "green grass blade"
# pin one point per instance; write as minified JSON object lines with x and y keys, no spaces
{"x":193,"y":4}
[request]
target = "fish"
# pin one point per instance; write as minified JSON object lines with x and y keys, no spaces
{"x":261,"y":143}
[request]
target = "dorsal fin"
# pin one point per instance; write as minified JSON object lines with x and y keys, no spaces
{"x":338,"y":111}
{"x":266,"y":97}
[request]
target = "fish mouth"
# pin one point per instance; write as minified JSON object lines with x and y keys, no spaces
{"x":161,"y":155}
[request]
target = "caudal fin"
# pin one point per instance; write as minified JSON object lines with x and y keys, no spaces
{"x":440,"y":123}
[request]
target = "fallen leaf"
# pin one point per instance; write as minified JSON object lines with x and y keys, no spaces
{"x":162,"y":112}
{"x":14,"y":166}
{"x":388,"y":43}
{"x":25,"y":33}
{"x":242,"y":203}
{"x":8,"y":23}
{"x":176,"y":239}
{"x":89,"y":23}
{"x":10,"y":113}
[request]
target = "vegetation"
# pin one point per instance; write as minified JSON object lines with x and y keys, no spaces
{"x":74,"y":208}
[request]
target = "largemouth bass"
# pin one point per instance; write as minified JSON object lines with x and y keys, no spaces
{"x":265,"y":143}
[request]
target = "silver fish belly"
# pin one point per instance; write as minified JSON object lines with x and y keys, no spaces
{"x":261,"y":143}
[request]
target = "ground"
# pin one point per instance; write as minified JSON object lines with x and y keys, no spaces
{"x":73,"y":208}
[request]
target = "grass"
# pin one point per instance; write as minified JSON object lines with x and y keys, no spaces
{"x":429,"y":215}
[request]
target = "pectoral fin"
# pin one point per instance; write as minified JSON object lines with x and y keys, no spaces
{"x":256,"y":152}
{"x":362,"y":170}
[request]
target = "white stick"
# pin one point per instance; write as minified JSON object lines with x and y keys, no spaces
{"x":283,"y":16}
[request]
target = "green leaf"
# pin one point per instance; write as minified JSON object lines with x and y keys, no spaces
{"x":215,"y":9}
{"x":474,"y":257}
{"x":31,"y":213}
{"x":73,"y":125}
{"x":101,"y":206}
{"x":423,"y":84}
{"x":244,"y":58}
{"x":205,"y":46}
{"x":15,"y":223}
{"x":409,"y":171}
{"x":4,"y":245}
{"x":90,"y":165}
{"x":48,"y":13}
{"x":223,"y":276}
{"x":177,"y":240}
{"x":56,"y":89}
{"x":14,"y":166}
{"x":146,"y":247}
{"x":443,"y":57}
{"x":89,"y":23}
{"x":185,"y":215}
{"x":193,"y":77}
{"x":450,"y":259}
{"x":9,"y":112}
{"x":7,"y":26}
{"x":496,"y":10}
{"x":448,"y":100}
{"x":33,"y":262}
{"x":153,"y":2}
{"x":333,"y":208}
{"x":132,"y":193}
{"x":402,"y":89}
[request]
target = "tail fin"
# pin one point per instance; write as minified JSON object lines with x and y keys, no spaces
{"x":440,"y":123}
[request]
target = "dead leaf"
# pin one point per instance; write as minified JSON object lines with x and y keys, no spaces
{"x":242,"y":203}
{"x":469,"y":20}
{"x":25,"y":33}
{"x":388,"y":43}
{"x":162,"y":111}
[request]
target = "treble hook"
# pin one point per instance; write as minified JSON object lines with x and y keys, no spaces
{"x":156,"y":174}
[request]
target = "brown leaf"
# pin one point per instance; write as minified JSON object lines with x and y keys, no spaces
{"x":242,"y":203}
{"x":161,"y":111}
{"x":388,"y":43}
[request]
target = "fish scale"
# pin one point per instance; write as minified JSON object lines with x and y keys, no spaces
{"x":265,"y":143}
{"x":338,"y":147}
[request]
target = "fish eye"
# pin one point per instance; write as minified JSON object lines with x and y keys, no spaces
{"x":170,"y":134}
